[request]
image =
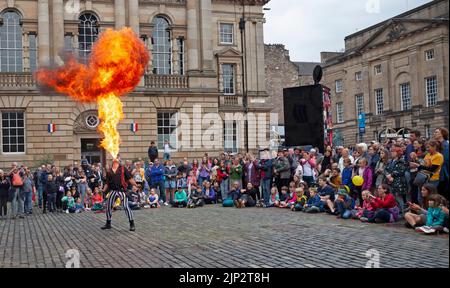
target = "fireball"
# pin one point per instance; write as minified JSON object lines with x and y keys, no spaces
{"x":115,"y":67}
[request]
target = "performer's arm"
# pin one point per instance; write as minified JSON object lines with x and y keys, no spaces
{"x":105,"y":188}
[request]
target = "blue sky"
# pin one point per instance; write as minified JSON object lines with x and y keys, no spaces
{"x":308,"y":27}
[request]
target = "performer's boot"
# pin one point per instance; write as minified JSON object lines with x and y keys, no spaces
{"x":132,"y":228}
{"x":107,"y":225}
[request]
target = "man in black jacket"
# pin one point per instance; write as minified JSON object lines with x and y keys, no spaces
{"x":152,"y":152}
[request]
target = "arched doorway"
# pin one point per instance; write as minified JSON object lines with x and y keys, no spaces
{"x":88,"y":139}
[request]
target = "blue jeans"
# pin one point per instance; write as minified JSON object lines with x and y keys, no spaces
{"x":162,"y":190}
{"x":345,"y":213}
{"x":17,"y":202}
{"x":40,"y":191}
{"x":224,"y":188}
{"x":28,"y":202}
{"x":166,"y":156}
{"x":265,"y":185}
{"x":82,"y":189}
{"x":201,"y":179}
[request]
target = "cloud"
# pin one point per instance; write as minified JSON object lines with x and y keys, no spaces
{"x":309,"y":27}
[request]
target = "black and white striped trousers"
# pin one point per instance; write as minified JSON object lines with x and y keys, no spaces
{"x":113,"y":195}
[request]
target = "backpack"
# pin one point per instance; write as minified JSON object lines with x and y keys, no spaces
{"x":16,"y":179}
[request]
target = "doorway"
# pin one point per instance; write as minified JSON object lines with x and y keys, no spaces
{"x":90,"y":148}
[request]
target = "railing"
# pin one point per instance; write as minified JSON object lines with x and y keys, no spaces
{"x":230,"y":100}
{"x":164,"y":1}
{"x":166,"y":81}
{"x":17,"y":79}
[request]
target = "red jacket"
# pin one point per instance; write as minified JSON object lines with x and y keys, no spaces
{"x":221,"y":175}
{"x":387,"y":203}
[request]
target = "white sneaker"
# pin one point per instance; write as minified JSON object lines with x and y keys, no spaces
{"x":67,"y":211}
{"x":445,"y":230}
{"x":166,"y":204}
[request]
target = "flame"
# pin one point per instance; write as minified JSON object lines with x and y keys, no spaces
{"x":115,"y":67}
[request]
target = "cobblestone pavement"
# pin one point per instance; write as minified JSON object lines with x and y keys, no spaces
{"x":214,"y":237}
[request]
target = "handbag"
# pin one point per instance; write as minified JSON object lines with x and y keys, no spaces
{"x":421,"y":178}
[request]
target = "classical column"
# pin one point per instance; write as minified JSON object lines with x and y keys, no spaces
{"x":206,"y":34}
{"x":415,"y":79}
{"x":192,"y":36}
{"x":119,"y":13}
{"x":58,"y":30}
{"x":260,"y":61}
{"x":133,"y":15}
{"x":43,"y":33}
{"x":26,"y":52}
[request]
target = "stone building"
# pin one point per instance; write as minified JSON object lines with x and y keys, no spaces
{"x":282,"y":73}
{"x":396,"y":73}
{"x":200,"y":64}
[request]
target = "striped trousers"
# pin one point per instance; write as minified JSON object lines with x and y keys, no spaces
{"x":113,"y":195}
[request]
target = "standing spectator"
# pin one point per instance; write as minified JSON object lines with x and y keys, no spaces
{"x":28,"y":188}
{"x":308,"y":166}
{"x":40,"y":184}
{"x":266,"y":167}
{"x":345,"y":155}
{"x":380,"y":167}
{"x":366,"y":173}
{"x":59,"y":180}
{"x":4,"y":194}
{"x":222,"y":178}
{"x":253,"y":175}
{"x":157,"y":173}
{"x":204,"y":172}
{"x":282,"y":170}
{"x":170,"y":173}
{"x":167,"y":150}
{"x":441,"y":135}
{"x":236,"y":172}
{"x":152,"y":152}
{"x":51,"y":189}
{"x":395,"y":176}
{"x":16,"y":178}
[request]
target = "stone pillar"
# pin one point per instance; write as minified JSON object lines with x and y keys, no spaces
{"x":26,"y":52}
{"x":43,"y":33}
{"x":58,"y":30}
{"x":415,"y":87}
{"x":133,"y":15}
{"x":175,"y":56}
{"x":206,"y":35}
{"x":119,"y":13}
{"x":260,"y":58}
{"x":192,"y":36}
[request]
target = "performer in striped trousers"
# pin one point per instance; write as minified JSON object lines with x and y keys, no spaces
{"x":117,"y":179}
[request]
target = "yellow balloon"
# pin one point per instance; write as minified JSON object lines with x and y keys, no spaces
{"x":358,"y":181}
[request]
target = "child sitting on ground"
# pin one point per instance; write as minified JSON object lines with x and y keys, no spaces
{"x":284,"y":197}
{"x":292,"y":196}
{"x":344,"y":204}
{"x":153,"y":199}
{"x":196,"y":198}
{"x":68,"y":203}
{"x":216,"y":187}
{"x":209,"y":193}
{"x":79,"y":207}
{"x":274,"y":200}
{"x":246,"y":199}
{"x":367,"y":210}
{"x":97,"y":200}
{"x":314,"y":204}
{"x":300,"y":199}
{"x":88,"y":203}
{"x":435,"y":216}
{"x":235,"y":193}
{"x":180,"y":198}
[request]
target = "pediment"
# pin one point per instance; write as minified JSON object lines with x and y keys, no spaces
{"x":229,"y":52}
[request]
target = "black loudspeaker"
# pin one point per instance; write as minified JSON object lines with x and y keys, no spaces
{"x":303,"y":116}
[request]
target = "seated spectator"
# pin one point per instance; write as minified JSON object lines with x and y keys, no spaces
{"x":292,"y":196}
{"x":347,"y":172}
{"x":97,"y":200}
{"x":387,"y":210}
{"x":326,"y":194}
{"x":368,"y":208}
{"x":79,"y":207}
{"x":300,"y":199}
{"x":180,"y":198}
{"x":435,"y":216}
{"x":235,"y":192}
{"x":153,"y":199}
{"x":314,"y":203}
{"x":209,"y":193}
{"x":284,"y":197}
{"x":196,"y":199}
{"x":216,"y":188}
{"x":274,"y":200}
{"x":247,"y":198}
{"x":335,"y":180}
{"x":69,"y":203}
{"x":344,"y":204}
{"x":417,"y":216}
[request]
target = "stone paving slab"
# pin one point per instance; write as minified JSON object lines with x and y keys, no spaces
{"x":213,"y":236}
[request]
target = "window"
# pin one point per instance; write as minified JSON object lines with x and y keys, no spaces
{"x":162,"y":50}
{"x":228,"y":78}
{"x":358,"y":76}
{"x":33,"y":52}
{"x":11,"y":49}
{"x":226,"y":33}
{"x":181,"y":54}
{"x":359,"y":104}
{"x":167,"y":128}
{"x":431,"y":91}
{"x":379,"y":101}
{"x":68,"y":46}
{"x":339,"y":86}
{"x":340,"y":112}
{"x":87,"y":35}
{"x":429,"y":55}
{"x":405,"y":96}
{"x":13,"y":132}
{"x":230,"y":136}
{"x":378,"y":70}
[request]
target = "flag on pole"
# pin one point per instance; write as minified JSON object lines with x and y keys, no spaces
{"x":51,"y":128}
{"x":134,"y":127}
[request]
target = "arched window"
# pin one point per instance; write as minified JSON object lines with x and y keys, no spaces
{"x":162,"y":50}
{"x":87,"y":35}
{"x":11,"y":49}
